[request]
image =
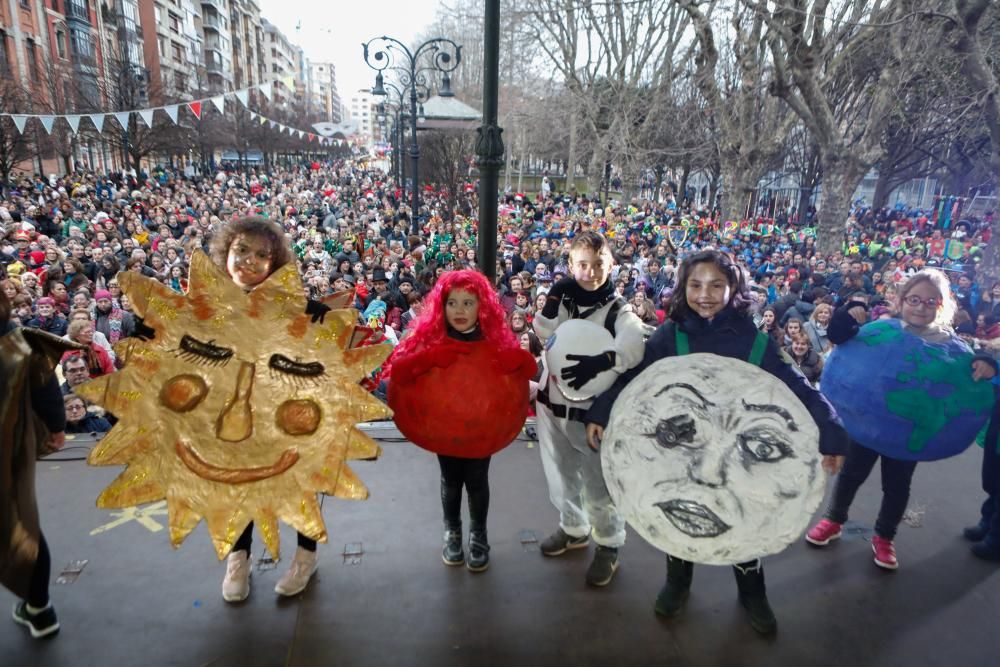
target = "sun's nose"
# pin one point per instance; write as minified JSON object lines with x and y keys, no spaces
{"x":236,"y":420}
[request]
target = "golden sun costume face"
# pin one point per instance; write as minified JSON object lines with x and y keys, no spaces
{"x":239,"y":409}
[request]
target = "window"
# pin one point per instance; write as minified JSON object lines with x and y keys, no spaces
{"x":178,"y":53}
{"x":180,"y":81}
{"x":26,"y":4}
{"x":32,"y":62}
{"x":61,"y":43}
{"x":4,"y":62}
{"x":175,"y":23}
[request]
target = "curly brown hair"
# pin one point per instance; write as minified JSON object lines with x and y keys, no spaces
{"x":281,"y":251}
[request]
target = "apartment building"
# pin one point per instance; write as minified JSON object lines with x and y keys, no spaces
{"x":324,"y":100}
{"x":172,"y":47}
{"x":248,"y":44}
{"x":281,"y":60}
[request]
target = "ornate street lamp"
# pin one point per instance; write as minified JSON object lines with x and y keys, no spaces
{"x":441,"y":55}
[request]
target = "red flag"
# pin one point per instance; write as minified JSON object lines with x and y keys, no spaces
{"x":195,"y":108}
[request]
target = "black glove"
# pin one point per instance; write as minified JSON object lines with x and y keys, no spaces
{"x":317,"y":309}
{"x":552,"y":300}
{"x":586,"y":368}
{"x":142,"y":330}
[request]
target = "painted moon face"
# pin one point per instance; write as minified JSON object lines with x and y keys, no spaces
{"x":712,"y":460}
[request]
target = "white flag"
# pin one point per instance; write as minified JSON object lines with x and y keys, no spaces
{"x":147,"y":117}
{"x":172,"y":112}
{"x":19,"y":122}
{"x":265,"y":90}
{"x":253,"y":116}
{"x":74,"y":123}
{"x":122,"y":117}
{"x":98,"y":120}
{"x":301,"y":134}
{"x":243,"y":96}
{"x":273,"y":124}
{"x":47,"y":123}
{"x":220,"y":103}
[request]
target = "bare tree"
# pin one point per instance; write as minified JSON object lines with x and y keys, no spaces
{"x":15,"y":148}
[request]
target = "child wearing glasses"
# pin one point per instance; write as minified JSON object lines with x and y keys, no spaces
{"x":926,"y":308}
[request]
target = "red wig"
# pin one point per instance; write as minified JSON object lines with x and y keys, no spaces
{"x":431,"y":329}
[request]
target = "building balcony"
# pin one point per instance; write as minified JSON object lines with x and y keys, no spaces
{"x":213,"y":22}
{"x":77,"y":9}
{"x":221,"y":5}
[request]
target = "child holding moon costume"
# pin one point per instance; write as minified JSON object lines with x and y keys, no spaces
{"x":714,"y":467}
{"x":592,"y":335}
{"x":459,"y":388}
{"x":926,"y":308}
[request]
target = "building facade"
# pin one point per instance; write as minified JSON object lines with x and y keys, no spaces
{"x":324,"y":100}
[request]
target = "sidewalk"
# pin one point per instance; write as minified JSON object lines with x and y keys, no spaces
{"x":392,"y":602}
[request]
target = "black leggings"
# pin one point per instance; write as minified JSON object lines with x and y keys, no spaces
{"x":896,"y":477}
{"x":38,"y":589}
{"x":474,"y":474}
{"x":246,"y":539}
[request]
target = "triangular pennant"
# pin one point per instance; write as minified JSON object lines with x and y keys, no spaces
{"x":74,"y":123}
{"x":220,"y":103}
{"x":195,"y":108}
{"x":265,"y":90}
{"x":147,"y":117}
{"x":253,"y":116}
{"x":19,"y":122}
{"x":272,"y":124}
{"x":243,"y":96}
{"x":301,"y":134}
{"x":172,"y":112}
{"x":285,"y":128}
{"x":122,"y":117}
{"x":263,"y":121}
{"x":311,"y":136}
{"x":47,"y":123}
{"x":98,"y":120}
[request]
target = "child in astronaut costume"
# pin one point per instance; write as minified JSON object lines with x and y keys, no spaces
{"x":581,"y":360}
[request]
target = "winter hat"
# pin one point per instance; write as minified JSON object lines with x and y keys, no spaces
{"x":46,"y":301}
{"x":37,"y":256}
{"x":102,"y":294}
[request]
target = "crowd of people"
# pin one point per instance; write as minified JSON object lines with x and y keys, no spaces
{"x":64,"y":242}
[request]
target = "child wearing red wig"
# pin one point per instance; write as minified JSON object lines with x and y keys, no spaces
{"x":462,"y":307}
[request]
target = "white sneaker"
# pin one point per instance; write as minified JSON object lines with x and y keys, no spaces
{"x":297,"y":578}
{"x":236,"y":585}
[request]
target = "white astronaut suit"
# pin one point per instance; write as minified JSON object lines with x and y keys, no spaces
{"x":572,"y":468}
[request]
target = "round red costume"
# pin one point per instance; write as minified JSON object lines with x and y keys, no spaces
{"x":459,"y":398}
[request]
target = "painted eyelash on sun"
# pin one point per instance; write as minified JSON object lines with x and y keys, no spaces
{"x":198,"y":352}
{"x":294,"y":372}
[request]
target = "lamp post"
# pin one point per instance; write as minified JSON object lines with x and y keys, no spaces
{"x":443,"y":54}
{"x":396,"y":103}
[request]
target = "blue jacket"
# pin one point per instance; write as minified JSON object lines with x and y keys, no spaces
{"x":731,"y":334}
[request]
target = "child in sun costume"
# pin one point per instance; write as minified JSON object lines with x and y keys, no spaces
{"x":242,"y":407}
{"x":459,"y":388}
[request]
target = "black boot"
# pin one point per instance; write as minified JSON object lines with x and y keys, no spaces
{"x":675,"y":592}
{"x":753,"y":596}
{"x":479,"y":551}
{"x":976,"y":533}
{"x":452,"y":553}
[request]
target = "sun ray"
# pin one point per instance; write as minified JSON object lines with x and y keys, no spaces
{"x":364,"y":360}
{"x":350,"y":486}
{"x":183,"y":519}
{"x":267,"y":523}
{"x":361,"y":446}
{"x":225,"y":525}
{"x":135,"y":486}
{"x":307,"y":518}
{"x":118,"y":447}
{"x":362,"y":406}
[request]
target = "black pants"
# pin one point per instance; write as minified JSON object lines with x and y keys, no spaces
{"x":896,"y":477}
{"x":38,"y":589}
{"x":474,"y":474}
{"x":246,"y":539}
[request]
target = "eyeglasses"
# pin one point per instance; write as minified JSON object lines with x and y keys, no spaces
{"x":74,"y":407}
{"x":914,"y":301}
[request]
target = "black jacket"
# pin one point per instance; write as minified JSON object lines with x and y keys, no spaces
{"x":730,"y":334}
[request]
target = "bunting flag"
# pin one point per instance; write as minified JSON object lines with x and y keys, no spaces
{"x":19,"y":121}
{"x":122,"y":117}
{"x":147,"y":117}
{"x":301,"y":134}
{"x":289,"y":82}
{"x":265,"y":90}
{"x":47,"y":123}
{"x":263,"y":121}
{"x":253,"y":116}
{"x":243,"y":96}
{"x":74,"y":123}
{"x":220,"y":103}
{"x":195,"y":108}
{"x":311,"y":136}
{"x":272,"y":124}
{"x":172,"y":112}
{"x":98,"y":120}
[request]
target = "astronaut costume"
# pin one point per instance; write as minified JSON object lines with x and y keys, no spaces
{"x":572,"y":468}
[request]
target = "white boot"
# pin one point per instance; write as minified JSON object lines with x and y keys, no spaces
{"x":236,"y":585}
{"x":297,"y":577}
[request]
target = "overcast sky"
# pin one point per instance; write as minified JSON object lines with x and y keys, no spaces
{"x":333,"y":31}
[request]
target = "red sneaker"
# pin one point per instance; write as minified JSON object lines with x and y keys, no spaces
{"x":885,"y":553}
{"x":824,"y":532}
